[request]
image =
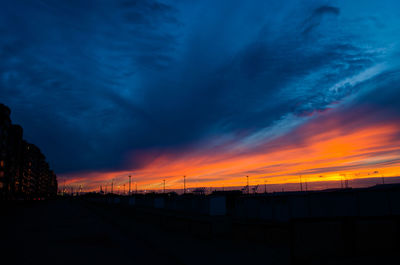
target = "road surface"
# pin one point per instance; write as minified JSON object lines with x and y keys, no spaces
{"x":76,"y":232}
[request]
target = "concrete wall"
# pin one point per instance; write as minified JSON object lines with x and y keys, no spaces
{"x":347,"y":203}
{"x":159,"y":203}
{"x":217,"y":205}
{"x":374,"y":203}
{"x":395,"y":202}
{"x":298,"y":206}
{"x":279,"y":208}
{"x":331,"y":205}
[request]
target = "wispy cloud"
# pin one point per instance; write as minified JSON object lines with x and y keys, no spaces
{"x":112,"y":86}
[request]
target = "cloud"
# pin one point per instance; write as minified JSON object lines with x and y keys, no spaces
{"x":323,"y":10}
{"x":315,"y":19}
{"x":330,"y":145}
{"x":97,"y":84}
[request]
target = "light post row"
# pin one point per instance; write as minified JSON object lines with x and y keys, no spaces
{"x":164,"y":186}
{"x":303,"y":183}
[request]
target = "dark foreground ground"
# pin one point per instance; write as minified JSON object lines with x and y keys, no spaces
{"x":77,"y":232}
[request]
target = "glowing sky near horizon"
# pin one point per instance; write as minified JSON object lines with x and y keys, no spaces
{"x":320,"y":151}
{"x":214,"y":90}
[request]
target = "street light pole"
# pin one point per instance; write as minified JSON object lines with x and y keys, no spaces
{"x":265,"y":186}
{"x":164,"y":185}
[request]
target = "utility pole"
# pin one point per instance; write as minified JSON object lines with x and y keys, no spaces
{"x":164,"y":185}
{"x":265,"y":186}
{"x":136,"y":188}
{"x":184,"y":184}
{"x":383,"y":179}
{"x":124,"y":189}
{"x":248,"y":186}
{"x":105,"y":192}
{"x":346,"y":182}
{"x":301,"y":184}
{"x":306,"y":184}
{"x":112,"y":186}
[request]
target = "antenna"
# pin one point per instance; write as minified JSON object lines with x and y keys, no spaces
{"x":184,"y":184}
{"x":129,"y":193}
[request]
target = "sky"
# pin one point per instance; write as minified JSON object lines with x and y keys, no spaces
{"x":214,"y":90}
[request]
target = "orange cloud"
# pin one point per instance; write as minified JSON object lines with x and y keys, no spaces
{"x":324,"y":150}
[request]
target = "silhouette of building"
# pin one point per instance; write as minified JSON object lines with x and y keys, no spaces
{"x":5,"y":125}
{"x":24,"y":172}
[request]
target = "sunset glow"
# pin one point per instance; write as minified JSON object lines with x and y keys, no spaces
{"x":319,"y":151}
{"x":275,"y":90}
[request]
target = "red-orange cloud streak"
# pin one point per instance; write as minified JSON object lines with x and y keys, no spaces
{"x":325,"y":149}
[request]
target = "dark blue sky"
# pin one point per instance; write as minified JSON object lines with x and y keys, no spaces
{"x":93,"y":82}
